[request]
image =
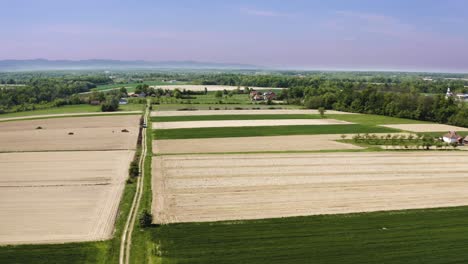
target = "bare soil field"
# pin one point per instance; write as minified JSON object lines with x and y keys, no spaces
{"x":210,"y":88}
{"x":55,"y":197}
{"x":427,"y":127}
{"x":250,"y":144}
{"x":197,"y":188}
{"x":89,"y":133}
{"x":244,"y":112}
{"x":247,"y":123}
{"x":69,"y":114}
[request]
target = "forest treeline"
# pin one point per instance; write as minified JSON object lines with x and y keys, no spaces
{"x":40,"y":93}
{"x":410,"y":105}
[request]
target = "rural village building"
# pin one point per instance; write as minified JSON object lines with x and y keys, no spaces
{"x":452,"y":137}
{"x":259,"y":96}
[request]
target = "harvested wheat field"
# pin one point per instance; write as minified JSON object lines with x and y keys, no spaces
{"x":55,"y":197}
{"x":427,"y":127}
{"x":189,"y":188}
{"x":89,"y":133}
{"x":211,"y":88}
{"x":247,"y":123}
{"x":251,"y":144}
{"x":244,"y":112}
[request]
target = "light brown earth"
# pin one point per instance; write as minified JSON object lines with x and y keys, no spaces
{"x":69,"y":114}
{"x":90,"y":133}
{"x":250,"y":144}
{"x":244,"y":112}
{"x":209,"y":87}
{"x":55,"y":197}
{"x":197,"y":188}
{"x":427,"y":127}
{"x":247,"y":123}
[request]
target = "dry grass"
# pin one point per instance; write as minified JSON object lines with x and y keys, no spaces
{"x":247,"y":123}
{"x":227,"y":187}
{"x":243,"y":112}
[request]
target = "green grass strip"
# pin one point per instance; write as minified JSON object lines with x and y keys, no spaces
{"x":219,"y":132}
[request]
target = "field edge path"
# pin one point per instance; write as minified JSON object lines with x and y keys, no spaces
{"x":126,"y":241}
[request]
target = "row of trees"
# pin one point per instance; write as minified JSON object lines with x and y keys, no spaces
{"x":372,"y":101}
{"x":417,"y":141}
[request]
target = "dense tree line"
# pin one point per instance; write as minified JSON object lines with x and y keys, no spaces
{"x":373,"y":101}
{"x":46,"y":92}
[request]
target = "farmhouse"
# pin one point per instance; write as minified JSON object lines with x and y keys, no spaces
{"x":452,"y":137}
{"x":259,"y":96}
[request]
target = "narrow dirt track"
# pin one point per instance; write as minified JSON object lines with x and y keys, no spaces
{"x":126,"y":241}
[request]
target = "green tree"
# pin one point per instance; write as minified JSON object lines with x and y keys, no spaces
{"x":322,"y":111}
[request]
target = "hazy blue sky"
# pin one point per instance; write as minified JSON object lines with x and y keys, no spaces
{"x":331,"y":34}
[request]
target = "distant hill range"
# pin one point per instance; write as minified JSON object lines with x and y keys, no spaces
{"x":43,"y":64}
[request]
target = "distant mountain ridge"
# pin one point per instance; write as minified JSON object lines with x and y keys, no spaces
{"x":44,"y":64}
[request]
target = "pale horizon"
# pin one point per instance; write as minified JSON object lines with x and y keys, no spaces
{"x":421,"y":36}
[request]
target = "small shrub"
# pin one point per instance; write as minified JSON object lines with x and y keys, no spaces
{"x":145,"y":219}
{"x":134,"y":170}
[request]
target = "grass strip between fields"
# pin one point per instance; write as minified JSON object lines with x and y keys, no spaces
{"x":220,"y":132}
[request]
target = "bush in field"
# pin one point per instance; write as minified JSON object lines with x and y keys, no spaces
{"x":145,"y":219}
{"x":134,"y":169}
{"x":110,"y":105}
{"x":321,"y":111}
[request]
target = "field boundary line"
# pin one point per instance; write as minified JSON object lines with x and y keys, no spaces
{"x":126,"y":241}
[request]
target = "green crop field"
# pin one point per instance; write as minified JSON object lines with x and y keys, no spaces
{"x":217,"y":132}
{"x":208,"y":98}
{"x":374,"y":120}
{"x":214,"y":106}
{"x":406,"y":237}
{"x":71,"y":109}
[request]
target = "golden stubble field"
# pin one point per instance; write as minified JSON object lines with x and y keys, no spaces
{"x":245,"y":112}
{"x":251,"y":144}
{"x":247,"y":123}
{"x":51,"y":197}
{"x":198,"y":188}
{"x":52,"y":193}
{"x":89,"y":133}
